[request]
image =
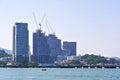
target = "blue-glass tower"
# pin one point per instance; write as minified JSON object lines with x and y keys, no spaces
{"x":70,"y":48}
{"x":41,"y":51}
{"x":55,"y":47}
{"x":20,"y":43}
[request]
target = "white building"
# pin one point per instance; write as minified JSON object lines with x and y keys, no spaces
{"x":73,"y":57}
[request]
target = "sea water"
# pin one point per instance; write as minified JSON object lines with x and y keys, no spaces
{"x":59,"y":74}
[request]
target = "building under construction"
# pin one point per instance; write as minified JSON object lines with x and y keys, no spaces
{"x":41,"y":51}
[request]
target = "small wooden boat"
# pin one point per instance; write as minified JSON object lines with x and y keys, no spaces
{"x":44,"y":69}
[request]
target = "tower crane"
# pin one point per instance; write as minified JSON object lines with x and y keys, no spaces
{"x":40,"y":23}
{"x":35,"y":20}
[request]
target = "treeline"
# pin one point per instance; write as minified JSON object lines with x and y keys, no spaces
{"x":98,"y":60}
{"x":87,"y":59}
{"x":4,"y":57}
{"x":4,"y":54}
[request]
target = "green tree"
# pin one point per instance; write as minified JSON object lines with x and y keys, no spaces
{"x":32,"y":64}
{"x":93,"y":59}
{"x":2,"y":63}
{"x":73,"y":62}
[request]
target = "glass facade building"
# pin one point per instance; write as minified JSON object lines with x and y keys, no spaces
{"x":20,"y":43}
{"x":55,"y":47}
{"x":41,"y":51}
{"x":70,"y":48}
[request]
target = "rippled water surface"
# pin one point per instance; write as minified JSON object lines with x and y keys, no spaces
{"x":59,"y":74}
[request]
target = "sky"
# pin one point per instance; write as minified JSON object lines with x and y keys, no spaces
{"x":93,"y":24}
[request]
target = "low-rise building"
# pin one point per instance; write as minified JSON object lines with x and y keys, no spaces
{"x":73,"y":58}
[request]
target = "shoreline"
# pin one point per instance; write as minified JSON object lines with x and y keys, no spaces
{"x":86,"y":67}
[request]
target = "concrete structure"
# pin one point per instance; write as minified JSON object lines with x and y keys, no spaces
{"x":54,"y":46}
{"x":20,"y":42}
{"x":69,"y":48}
{"x":41,"y":51}
{"x":29,"y":54}
{"x":73,"y":58}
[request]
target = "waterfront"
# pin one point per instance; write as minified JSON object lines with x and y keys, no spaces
{"x":58,"y":74}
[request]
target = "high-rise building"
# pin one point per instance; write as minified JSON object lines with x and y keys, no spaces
{"x":20,"y":42}
{"x":55,"y":47}
{"x":70,"y":48}
{"x":41,"y":51}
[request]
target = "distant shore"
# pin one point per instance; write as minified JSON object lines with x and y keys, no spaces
{"x":111,"y":67}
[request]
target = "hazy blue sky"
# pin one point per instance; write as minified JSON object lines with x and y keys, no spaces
{"x":93,"y":24}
